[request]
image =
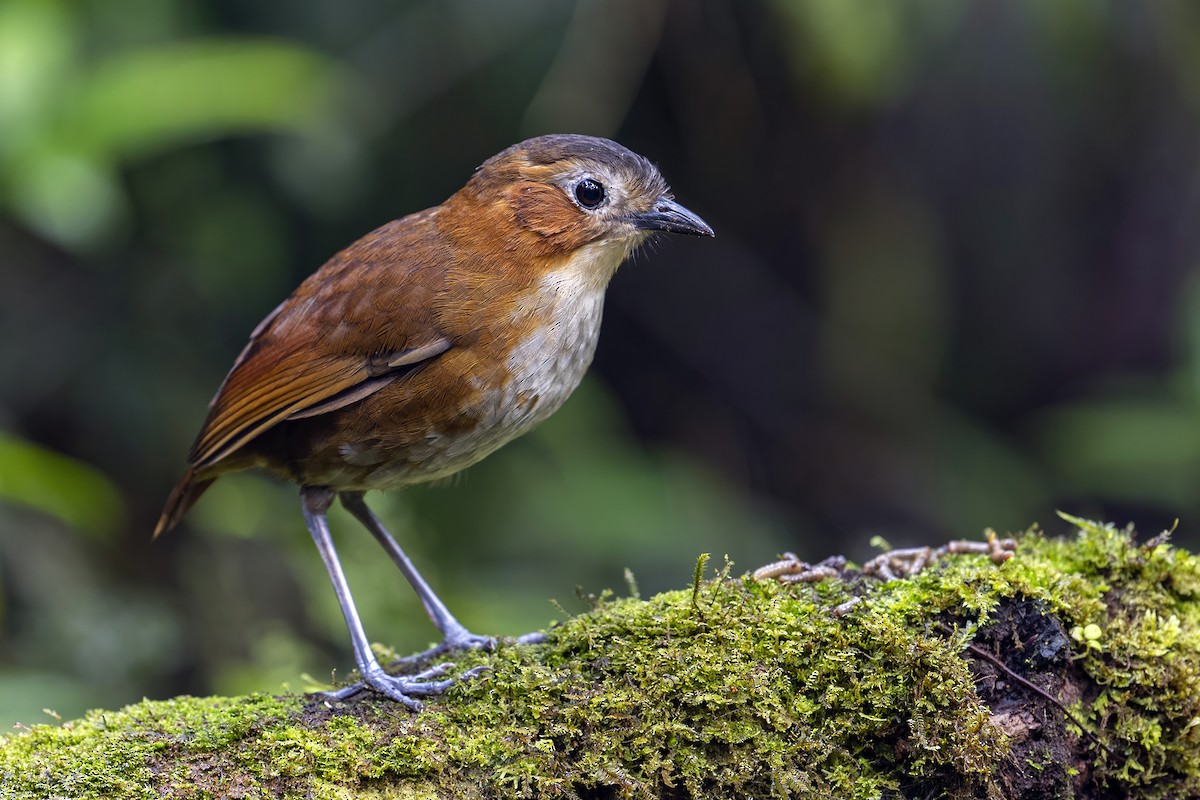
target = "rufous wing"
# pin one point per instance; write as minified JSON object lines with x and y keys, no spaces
{"x":322,"y":348}
{"x":261,"y":393}
{"x":343,"y":334}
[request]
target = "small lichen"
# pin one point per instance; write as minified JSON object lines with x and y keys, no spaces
{"x":730,"y":688}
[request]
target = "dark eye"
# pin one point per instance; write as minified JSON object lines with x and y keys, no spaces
{"x":589,"y":193}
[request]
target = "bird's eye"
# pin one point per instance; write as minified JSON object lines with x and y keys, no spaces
{"x":589,"y":193}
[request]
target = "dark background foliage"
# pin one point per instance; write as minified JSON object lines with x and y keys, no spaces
{"x":954,"y":286}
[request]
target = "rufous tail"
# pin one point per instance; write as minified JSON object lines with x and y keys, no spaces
{"x":182,"y":498}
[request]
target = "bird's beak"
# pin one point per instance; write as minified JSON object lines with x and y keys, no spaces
{"x":669,"y":216}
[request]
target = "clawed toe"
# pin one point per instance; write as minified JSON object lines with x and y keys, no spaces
{"x":463,"y":640}
{"x":469,"y":641}
{"x":436,"y":671}
{"x":403,"y":689}
{"x":407,"y":688}
{"x":474,"y":672}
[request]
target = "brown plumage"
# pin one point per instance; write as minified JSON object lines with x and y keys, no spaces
{"x":432,"y":341}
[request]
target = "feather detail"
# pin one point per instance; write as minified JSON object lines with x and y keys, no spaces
{"x":182,"y":498}
{"x":250,"y":402}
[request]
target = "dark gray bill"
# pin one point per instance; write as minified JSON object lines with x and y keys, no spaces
{"x":669,"y":216}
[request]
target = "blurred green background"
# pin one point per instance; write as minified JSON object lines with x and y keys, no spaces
{"x":954,"y":286}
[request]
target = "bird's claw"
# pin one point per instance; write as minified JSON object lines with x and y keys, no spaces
{"x":406,"y":689}
{"x":436,"y":671}
{"x":474,"y":672}
{"x":463,"y":639}
{"x":403,"y":689}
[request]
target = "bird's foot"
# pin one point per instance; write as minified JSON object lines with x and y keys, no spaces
{"x":463,"y":639}
{"x":456,"y":639}
{"x":459,"y":638}
{"x":406,"y":688}
{"x":403,"y":689}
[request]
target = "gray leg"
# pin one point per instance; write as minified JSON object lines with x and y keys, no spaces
{"x":455,"y":636}
{"x":316,"y":501}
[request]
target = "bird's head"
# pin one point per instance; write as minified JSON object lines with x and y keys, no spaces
{"x":561,"y":193}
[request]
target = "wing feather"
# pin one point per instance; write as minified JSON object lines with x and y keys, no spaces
{"x":322,"y":348}
{"x":363,"y":320}
{"x":259,"y":407}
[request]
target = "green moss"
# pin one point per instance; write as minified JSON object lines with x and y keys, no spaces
{"x":1146,"y":658}
{"x":729,"y":688}
{"x":126,"y":753}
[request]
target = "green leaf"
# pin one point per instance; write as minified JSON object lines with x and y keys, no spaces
{"x":74,"y":492}
{"x":152,"y":99}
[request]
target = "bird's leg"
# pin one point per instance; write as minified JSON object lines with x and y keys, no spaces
{"x":316,"y":501}
{"x":454,"y":635}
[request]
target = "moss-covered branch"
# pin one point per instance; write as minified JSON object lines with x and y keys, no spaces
{"x":739,"y":689}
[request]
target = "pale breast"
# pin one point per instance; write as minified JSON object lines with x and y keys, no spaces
{"x":560,"y":318}
{"x":549,"y":363}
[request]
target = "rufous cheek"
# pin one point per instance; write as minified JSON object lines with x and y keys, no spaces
{"x":547,"y":211}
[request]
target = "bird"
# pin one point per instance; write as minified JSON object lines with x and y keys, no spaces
{"x":427,"y":344}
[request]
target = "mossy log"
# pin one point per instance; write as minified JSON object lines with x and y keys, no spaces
{"x":1072,"y":671}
